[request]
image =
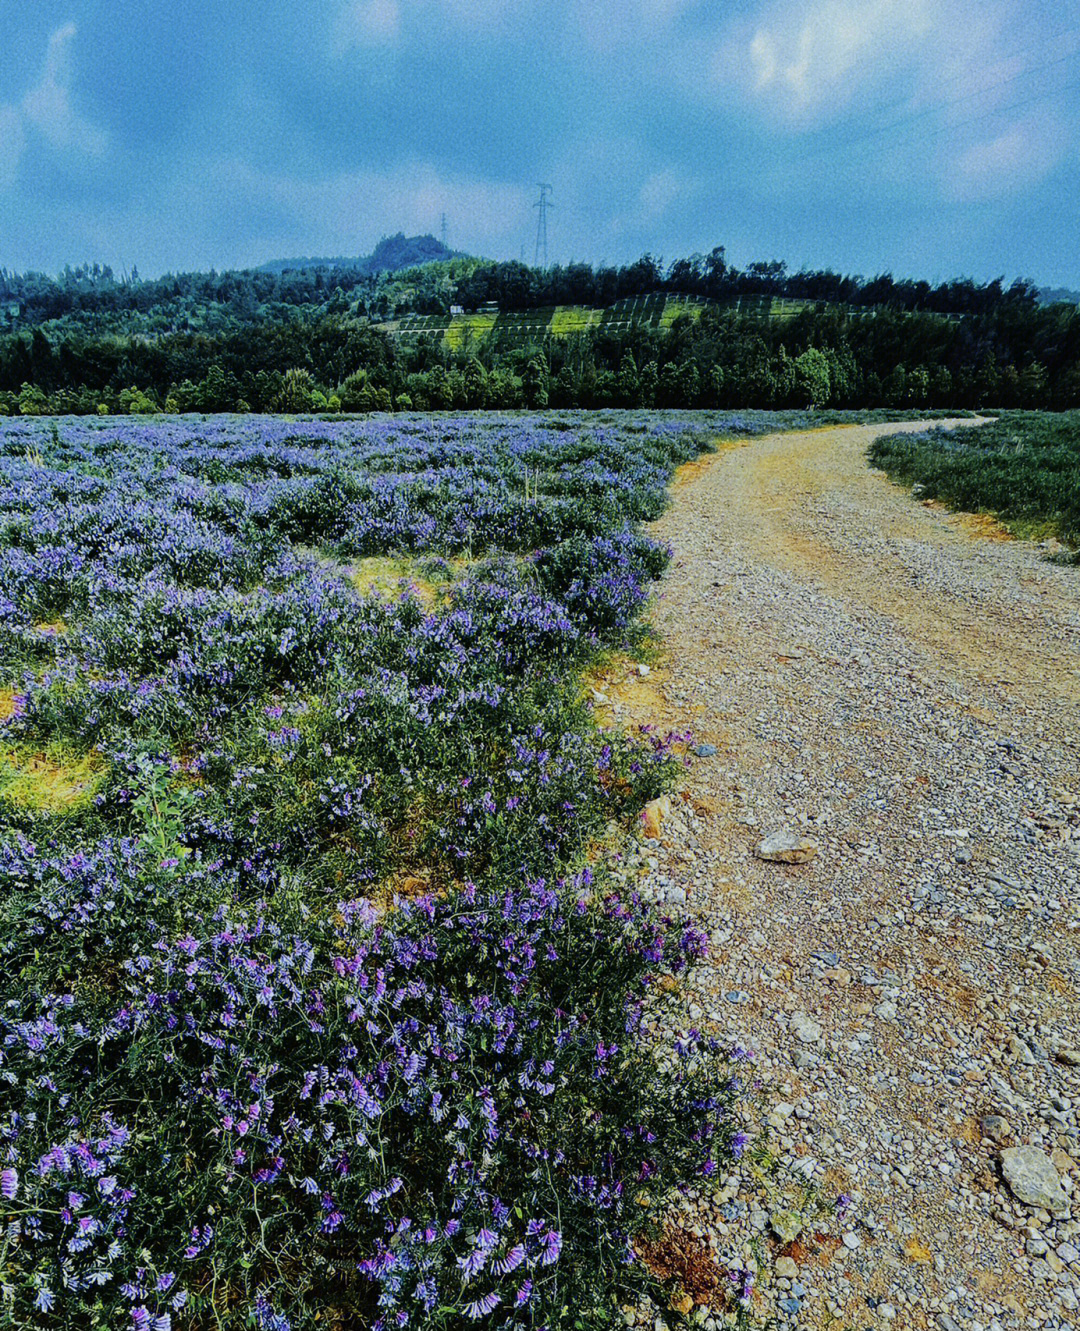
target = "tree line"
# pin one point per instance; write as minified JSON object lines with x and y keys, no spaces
{"x":173,"y":301}
{"x":237,"y":352}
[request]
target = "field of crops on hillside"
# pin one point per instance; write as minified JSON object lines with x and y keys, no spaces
{"x":1024,"y":467}
{"x":518,"y":328}
{"x":318,"y":1009}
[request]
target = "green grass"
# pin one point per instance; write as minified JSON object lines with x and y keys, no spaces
{"x":569,"y":319}
{"x":468,"y":329}
{"x":1023,"y":467}
{"x":521,"y":327}
{"x":53,"y":780}
{"x":674,"y":309}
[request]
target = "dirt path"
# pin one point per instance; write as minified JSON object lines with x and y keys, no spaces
{"x":904,"y":688}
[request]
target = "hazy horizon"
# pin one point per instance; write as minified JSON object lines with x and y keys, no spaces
{"x":933,"y":138}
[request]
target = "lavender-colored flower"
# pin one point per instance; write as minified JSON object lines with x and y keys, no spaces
{"x":482,"y":1307}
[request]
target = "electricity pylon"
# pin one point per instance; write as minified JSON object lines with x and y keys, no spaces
{"x":543,"y":203}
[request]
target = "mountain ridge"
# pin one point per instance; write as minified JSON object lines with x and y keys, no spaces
{"x":390,"y":255}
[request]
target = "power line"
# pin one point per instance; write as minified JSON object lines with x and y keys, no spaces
{"x":543,"y":203}
{"x":1001,"y":110}
{"x":970,"y":96}
{"x":871,"y":141}
{"x":1022,"y":52}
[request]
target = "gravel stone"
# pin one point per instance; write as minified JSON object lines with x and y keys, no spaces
{"x":786,"y":848}
{"x":1033,"y":1180}
{"x":933,"y":706}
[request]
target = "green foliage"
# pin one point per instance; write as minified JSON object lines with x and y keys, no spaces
{"x":1023,"y":467}
{"x":761,"y":338}
{"x":135,"y":402}
{"x":320,"y":1011}
{"x":297,"y":391}
{"x":32,"y":401}
{"x":534,"y":382}
{"x":812,"y":382}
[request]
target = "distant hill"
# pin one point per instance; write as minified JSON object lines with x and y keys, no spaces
{"x":1058,"y":295}
{"x":390,"y":254}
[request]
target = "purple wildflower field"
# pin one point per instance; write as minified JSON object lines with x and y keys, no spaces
{"x":318,"y":1010}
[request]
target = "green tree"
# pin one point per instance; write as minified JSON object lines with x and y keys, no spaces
{"x":137,"y":403}
{"x":812,"y":377}
{"x":894,"y":389}
{"x":629,"y":382}
{"x":650,"y":382}
{"x":297,"y":390}
{"x":941,"y":387}
{"x":439,"y":392}
{"x":458,"y":395}
{"x":785,"y":377}
{"x":355,"y":392}
{"x":32,"y":401}
{"x":918,"y":386}
{"x":988,"y":382}
{"x":689,"y":384}
{"x":1033,"y":382}
{"x":475,"y":382}
{"x":669,"y":389}
{"x":534,"y":382}
{"x":504,"y":389}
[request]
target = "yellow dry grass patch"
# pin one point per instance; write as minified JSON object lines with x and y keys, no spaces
{"x":623,"y":696}
{"x":7,"y":703}
{"x":983,"y":525}
{"x":697,"y":467}
{"x":49,"y":781}
{"x":384,"y":574}
{"x":51,"y":628}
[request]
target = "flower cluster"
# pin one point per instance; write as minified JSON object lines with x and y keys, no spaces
{"x":312,"y":1013}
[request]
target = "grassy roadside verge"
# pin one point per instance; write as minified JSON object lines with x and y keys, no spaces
{"x":1024,"y":468}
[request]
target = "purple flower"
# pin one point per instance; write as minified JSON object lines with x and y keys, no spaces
{"x":482,"y":1307}
{"x":9,"y":1184}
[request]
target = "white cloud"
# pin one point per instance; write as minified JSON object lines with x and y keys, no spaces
{"x":366,"y":23}
{"x":810,"y":58}
{"x":926,"y":88}
{"x":12,"y":143}
{"x":475,"y":14}
{"x":663,"y":11}
{"x":48,"y":105}
{"x":610,"y":25}
{"x":1015,"y":159}
{"x":47,"y":109}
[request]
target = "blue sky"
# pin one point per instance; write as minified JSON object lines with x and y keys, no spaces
{"x":926,"y":137}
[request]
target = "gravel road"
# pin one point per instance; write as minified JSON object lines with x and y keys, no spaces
{"x":901,"y":685}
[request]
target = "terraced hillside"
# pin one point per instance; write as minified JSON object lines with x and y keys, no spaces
{"x":516,"y":328}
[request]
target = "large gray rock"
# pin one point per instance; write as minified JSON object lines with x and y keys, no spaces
{"x":786,"y":1225}
{"x":808,"y":1031}
{"x":1033,"y":1180}
{"x":787,"y":848}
